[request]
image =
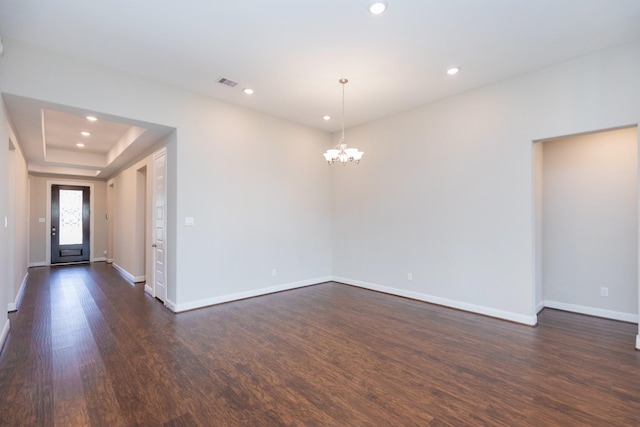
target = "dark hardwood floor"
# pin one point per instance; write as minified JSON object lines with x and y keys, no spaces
{"x":87,"y":348}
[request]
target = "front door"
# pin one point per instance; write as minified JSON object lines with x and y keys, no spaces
{"x":69,"y":224}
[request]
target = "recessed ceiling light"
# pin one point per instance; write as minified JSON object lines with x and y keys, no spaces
{"x":453,"y":71}
{"x":248,"y":91}
{"x":80,"y":144}
{"x":326,"y":117}
{"x":85,"y":133}
{"x":378,"y":7}
{"x":92,"y":118}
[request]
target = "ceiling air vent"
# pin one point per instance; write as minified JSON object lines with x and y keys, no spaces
{"x":227,"y":82}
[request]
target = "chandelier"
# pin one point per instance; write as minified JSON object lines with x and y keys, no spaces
{"x":340,"y":153}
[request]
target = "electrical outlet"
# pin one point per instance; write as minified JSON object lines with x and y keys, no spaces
{"x":409,"y":276}
{"x":604,"y":292}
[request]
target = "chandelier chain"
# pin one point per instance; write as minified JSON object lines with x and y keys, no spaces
{"x":344,"y":82}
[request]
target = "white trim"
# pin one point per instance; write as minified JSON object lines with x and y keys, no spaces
{"x":591,"y":311}
{"x":109,"y":260}
{"x":38,"y":264}
{"x":638,"y":342}
{"x":247,"y":294}
{"x":478,"y":309}
{"x":4,"y":334}
{"x":130,"y":277}
{"x":124,"y":273}
{"x":98,"y":259}
{"x":149,"y":290}
{"x":13,"y":306}
{"x":170,"y":305}
{"x":539,"y":306}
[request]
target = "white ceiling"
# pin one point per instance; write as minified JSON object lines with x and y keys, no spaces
{"x":292,"y":52}
{"x":49,"y":133}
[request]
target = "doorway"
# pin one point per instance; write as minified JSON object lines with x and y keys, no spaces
{"x":49,"y":221}
{"x":70,"y":224}
{"x":586,"y":222}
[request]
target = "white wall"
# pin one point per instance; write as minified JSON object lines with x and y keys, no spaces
{"x":131,"y":233}
{"x":445,"y":191}
{"x":13,"y":213}
{"x":37,"y":229}
{"x":18,"y":223}
{"x":538,"y":195}
{"x":256,"y":185}
{"x":590,"y":237}
{"x":6,"y":288}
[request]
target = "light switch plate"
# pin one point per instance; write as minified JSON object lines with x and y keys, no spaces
{"x":189,"y":220}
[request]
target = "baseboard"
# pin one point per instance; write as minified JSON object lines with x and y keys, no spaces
{"x":170,"y":305}
{"x":591,"y":311}
{"x":4,"y":334}
{"x":638,"y":342}
{"x":148,"y":289}
{"x":38,"y":264}
{"x":539,"y":306}
{"x":109,"y":260}
{"x":124,"y":273}
{"x":247,"y":294}
{"x":13,"y":306}
{"x":98,"y":259}
{"x":130,"y":277}
{"x":459,"y":305}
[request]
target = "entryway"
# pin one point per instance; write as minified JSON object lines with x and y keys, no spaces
{"x":587,"y":223}
{"x":70,"y":224}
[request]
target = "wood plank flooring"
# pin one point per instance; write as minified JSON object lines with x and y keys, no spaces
{"x":87,"y":348}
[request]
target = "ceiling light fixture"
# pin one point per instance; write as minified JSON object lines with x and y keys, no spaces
{"x":378,"y":7}
{"x":453,"y":71}
{"x":248,"y":91}
{"x":340,"y":152}
{"x":80,"y":144}
{"x":92,"y":118}
{"x":85,"y":133}
{"x":326,"y":118}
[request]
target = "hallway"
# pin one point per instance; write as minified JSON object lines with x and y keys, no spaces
{"x":88,"y":348}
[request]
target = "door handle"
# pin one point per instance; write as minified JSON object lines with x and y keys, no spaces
{"x":154,"y":246}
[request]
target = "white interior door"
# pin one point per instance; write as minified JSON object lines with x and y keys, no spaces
{"x":159,"y":225}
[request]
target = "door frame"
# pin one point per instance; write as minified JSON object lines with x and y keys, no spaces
{"x":50,"y":183}
{"x":83,"y":246}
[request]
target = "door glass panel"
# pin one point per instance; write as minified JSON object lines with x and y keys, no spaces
{"x":70,"y":217}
